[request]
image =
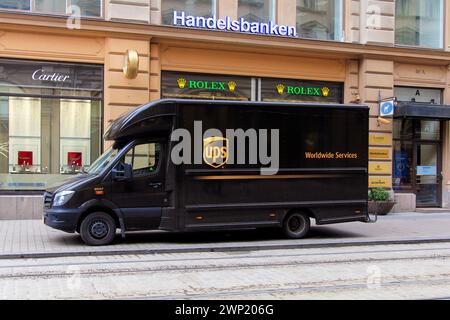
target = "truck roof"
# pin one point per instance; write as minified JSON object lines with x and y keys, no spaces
{"x":158,"y":115}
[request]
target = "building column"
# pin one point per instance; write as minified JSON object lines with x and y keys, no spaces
{"x":446,"y":151}
{"x":122,"y":94}
{"x":155,"y":71}
{"x":227,"y":8}
{"x":156,"y":11}
{"x":136,"y":10}
{"x":352,"y":13}
{"x":351,"y":87}
{"x":377,"y":22}
{"x":286,"y":12}
{"x":376,"y":79}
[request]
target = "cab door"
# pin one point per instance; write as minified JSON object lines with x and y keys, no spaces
{"x":141,"y":197}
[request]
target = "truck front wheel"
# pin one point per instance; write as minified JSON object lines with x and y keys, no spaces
{"x":98,"y":229}
{"x":296,"y":225}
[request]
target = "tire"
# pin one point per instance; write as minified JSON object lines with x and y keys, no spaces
{"x":98,"y":229}
{"x":296,"y":225}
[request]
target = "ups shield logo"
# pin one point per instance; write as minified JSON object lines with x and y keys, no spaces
{"x":215,"y":151}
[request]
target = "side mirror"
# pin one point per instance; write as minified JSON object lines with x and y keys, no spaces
{"x":122,"y":172}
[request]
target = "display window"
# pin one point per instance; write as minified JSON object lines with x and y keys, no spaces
{"x":50,"y":122}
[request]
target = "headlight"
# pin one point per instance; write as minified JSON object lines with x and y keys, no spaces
{"x":61,"y":198}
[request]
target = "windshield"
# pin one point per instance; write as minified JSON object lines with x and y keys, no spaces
{"x":103,"y":161}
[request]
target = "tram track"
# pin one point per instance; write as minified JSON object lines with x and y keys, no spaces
{"x":315,"y":288}
{"x":405,"y":271}
{"x":243,"y":262}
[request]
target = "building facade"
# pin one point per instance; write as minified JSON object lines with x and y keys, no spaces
{"x":66,"y":72}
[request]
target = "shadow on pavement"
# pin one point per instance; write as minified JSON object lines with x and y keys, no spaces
{"x":153,"y":237}
{"x":228,"y":236}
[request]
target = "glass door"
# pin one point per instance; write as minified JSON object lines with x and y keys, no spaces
{"x":428,"y":175}
{"x":418,"y":160}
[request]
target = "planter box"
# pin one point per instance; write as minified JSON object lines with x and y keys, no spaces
{"x":380,"y":208}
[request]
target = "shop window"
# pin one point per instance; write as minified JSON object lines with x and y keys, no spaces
{"x":300,"y":91}
{"x":200,"y":8}
{"x":319,"y":19}
{"x":15,"y":4}
{"x":403,"y":165}
{"x":257,"y":10}
{"x":419,"y":23}
{"x":50,"y":122}
{"x":429,"y":130}
{"x":201,"y":86}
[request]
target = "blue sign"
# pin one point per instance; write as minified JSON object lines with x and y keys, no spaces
{"x":387,"y":108}
{"x":426,"y":170}
{"x":228,"y":24}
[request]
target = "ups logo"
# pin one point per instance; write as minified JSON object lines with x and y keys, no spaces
{"x":215,"y":151}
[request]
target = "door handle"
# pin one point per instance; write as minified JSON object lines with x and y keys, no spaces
{"x":155,"y":185}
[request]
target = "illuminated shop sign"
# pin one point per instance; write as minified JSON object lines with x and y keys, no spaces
{"x":204,"y":86}
{"x":34,"y":76}
{"x":303,"y":91}
{"x":273,"y":89}
{"x":208,"y":85}
{"x":228,"y":24}
{"x":41,"y":75}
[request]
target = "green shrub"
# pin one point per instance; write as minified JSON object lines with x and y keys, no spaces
{"x":379,"y":194}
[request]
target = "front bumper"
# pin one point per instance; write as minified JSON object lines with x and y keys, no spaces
{"x":62,"y":219}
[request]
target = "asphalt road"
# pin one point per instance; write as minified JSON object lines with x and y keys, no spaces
{"x":363,"y":272}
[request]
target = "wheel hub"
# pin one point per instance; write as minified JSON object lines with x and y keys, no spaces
{"x":98,"y":229}
{"x":294,"y":224}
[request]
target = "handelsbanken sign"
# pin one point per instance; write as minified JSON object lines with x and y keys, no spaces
{"x":228,"y":24}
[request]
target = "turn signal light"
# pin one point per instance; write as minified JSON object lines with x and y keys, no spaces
{"x":99,"y":191}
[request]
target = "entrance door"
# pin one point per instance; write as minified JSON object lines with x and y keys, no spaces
{"x":428,"y":175}
{"x":141,"y":199}
{"x":418,"y":160}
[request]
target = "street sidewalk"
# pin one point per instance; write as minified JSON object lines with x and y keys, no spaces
{"x":32,"y":239}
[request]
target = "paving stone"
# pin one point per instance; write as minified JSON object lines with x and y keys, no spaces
{"x":32,"y":237}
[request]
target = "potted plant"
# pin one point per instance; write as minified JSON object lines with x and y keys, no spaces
{"x":380,"y":201}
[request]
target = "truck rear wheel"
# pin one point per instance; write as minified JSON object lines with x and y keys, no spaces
{"x":98,"y":229}
{"x":296,"y":225}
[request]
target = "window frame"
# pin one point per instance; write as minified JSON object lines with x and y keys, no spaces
{"x":66,"y":13}
{"x":272,"y":10}
{"x":441,"y":46}
{"x":133,"y":148}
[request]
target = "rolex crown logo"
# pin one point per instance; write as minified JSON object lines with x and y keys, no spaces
{"x":181,"y":83}
{"x":280,"y":88}
{"x":325,"y":91}
{"x":232,"y":85}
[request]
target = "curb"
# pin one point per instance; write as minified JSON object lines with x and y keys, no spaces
{"x":252,"y":247}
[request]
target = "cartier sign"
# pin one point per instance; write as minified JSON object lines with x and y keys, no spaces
{"x":41,"y":75}
{"x":32,"y":76}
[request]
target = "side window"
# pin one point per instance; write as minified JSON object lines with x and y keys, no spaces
{"x":144,"y":158}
